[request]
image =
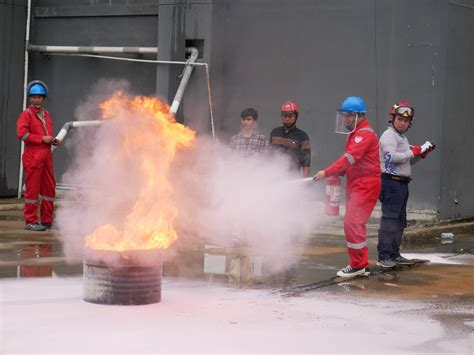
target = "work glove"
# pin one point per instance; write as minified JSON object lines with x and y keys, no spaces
{"x":416,"y":150}
{"x":430,"y":147}
{"x":425,"y":148}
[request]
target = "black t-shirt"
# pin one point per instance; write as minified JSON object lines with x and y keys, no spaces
{"x":295,"y":143}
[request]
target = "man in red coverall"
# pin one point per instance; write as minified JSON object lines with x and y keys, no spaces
{"x":361,"y":163}
{"x":35,"y":129}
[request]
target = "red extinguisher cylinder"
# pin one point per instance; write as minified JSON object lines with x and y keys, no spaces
{"x":333,"y":195}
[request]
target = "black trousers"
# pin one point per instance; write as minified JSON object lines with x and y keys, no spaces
{"x":394,"y":197}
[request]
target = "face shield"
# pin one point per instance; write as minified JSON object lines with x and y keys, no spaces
{"x":346,"y":122}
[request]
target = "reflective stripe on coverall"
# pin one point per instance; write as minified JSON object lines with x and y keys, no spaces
{"x":38,"y":164}
{"x":361,"y":163}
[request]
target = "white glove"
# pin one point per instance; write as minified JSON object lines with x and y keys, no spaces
{"x":426,"y":146}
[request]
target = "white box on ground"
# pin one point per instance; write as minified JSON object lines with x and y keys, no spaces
{"x":216,"y":264}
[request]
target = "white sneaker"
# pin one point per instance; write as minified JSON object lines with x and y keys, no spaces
{"x":349,"y":271}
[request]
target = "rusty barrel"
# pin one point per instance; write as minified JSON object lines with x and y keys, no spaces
{"x":122,"y":278}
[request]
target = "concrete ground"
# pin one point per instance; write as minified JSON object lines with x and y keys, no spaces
{"x":426,"y":308}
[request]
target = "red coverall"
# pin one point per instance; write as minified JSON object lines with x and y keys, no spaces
{"x":361,"y":163}
{"x":38,"y":164}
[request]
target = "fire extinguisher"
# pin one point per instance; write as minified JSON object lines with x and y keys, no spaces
{"x":333,"y":195}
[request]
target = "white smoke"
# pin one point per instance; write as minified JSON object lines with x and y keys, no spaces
{"x":255,"y":202}
{"x":222,"y":198}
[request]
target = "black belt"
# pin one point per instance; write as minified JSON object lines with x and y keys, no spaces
{"x":404,"y":179}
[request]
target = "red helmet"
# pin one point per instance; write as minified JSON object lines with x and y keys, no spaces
{"x":402,"y":108}
{"x":289,"y":106}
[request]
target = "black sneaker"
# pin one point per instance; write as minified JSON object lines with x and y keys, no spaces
{"x":48,"y":225}
{"x":386,"y":264}
{"x":349,"y":271}
{"x":403,"y":261}
{"x":35,"y":227}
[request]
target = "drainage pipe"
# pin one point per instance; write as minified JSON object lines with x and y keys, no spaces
{"x":184,"y":81}
{"x":25,"y":85}
{"x":151,"y":61}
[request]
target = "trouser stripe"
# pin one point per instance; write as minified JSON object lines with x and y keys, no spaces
{"x":356,"y":246}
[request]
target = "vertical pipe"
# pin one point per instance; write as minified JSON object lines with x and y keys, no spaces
{"x":25,"y":84}
{"x":209,"y":97}
{"x":184,"y":81}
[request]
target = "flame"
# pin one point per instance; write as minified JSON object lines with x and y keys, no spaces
{"x":152,"y":138}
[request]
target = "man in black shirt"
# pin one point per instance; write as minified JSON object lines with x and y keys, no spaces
{"x":292,"y":140}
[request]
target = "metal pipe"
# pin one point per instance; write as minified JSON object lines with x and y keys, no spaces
{"x":74,"y":124}
{"x":151,"y":61}
{"x":185,"y":79}
{"x":209,"y":97}
{"x":25,"y":85}
{"x":92,"y":49}
{"x":89,"y":51}
{"x":123,"y":59}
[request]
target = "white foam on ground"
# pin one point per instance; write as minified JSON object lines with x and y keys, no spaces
{"x":49,"y":316}
{"x":443,"y":258}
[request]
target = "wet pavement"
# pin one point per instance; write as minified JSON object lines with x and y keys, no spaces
{"x":443,"y":287}
{"x":449,"y":274}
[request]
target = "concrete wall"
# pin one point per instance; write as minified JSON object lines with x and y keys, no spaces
{"x":85,"y":23}
{"x":318,"y":52}
{"x":12,"y":47}
{"x":457,"y":168}
{"x":263,"y":52}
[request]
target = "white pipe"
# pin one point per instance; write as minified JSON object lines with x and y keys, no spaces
{"x":205,"y":65}
{"x":74,"y":124}
{"x":184,"y":80}
{"x":25,"y":85}
{"x":92,"y":49}
{"x":89,"y":52}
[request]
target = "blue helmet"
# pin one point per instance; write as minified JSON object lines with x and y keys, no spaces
{"x":353,"y":104}
{"x":37,"y":87}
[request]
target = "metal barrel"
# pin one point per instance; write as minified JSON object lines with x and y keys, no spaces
{"x":123,"y":284}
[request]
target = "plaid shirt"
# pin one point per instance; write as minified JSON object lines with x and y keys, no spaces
{"x":248,"y":146}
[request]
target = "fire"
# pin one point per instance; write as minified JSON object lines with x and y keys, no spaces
{"x":152,"y":138}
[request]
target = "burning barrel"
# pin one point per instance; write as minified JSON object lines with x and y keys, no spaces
{"x":123,"y":261}
{"x":122,"y":278}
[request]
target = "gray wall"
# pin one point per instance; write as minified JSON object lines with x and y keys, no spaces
{"x":457,"y":168}
{"x":85,"y":23}
{"x":12,"y":47}
{"x":263,"y":52}
{"x":318,"y":52}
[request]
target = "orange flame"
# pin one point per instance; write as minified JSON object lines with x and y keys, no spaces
{"x":152,"y":137}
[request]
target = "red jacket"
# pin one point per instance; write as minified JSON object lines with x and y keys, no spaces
{"x":361,"y":156}
{"x":30,"y":128}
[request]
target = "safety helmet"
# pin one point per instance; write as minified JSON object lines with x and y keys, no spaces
{"x":353,"y":104}
{"x":37,"y":87}
{"x":402,"y":108}
{"x":289,"y":107}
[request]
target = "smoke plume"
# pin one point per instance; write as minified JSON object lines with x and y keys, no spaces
{"x":221,"y":197}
